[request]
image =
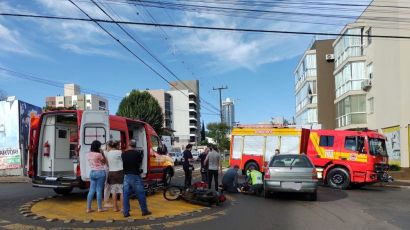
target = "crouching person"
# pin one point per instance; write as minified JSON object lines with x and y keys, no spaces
{"x":230,"y":180}
{"x":254,"y":182}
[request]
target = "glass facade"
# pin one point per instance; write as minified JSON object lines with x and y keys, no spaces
{"x":307,"y":95}
{"x":351,"y":110}
{"x":309,"y":116}
{"x":307,"y":68}
{"x":349,"y":46}
{"x":350,"y":78}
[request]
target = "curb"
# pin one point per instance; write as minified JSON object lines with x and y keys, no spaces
{"x":25,"y":210}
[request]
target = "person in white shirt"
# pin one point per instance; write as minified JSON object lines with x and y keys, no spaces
{"x":213,"y":160}
{"x":115,"y":174}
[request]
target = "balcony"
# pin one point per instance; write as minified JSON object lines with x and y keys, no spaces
{"x":193,"y":118}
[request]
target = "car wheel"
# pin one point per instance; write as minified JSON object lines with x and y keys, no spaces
{"x":312,"y":196}
{"x":338,"y":178}
{"x":63,"y":191}
{"x":266,"y":194}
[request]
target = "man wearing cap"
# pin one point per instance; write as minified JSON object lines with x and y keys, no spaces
{"x":132,"y":169}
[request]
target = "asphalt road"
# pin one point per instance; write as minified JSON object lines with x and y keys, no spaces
{"x":368,"y":208}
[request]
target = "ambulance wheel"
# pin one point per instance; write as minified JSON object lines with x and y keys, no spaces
{"x":338,"y":178}
{"x":167,"y":177}
{"x":63,"y":191}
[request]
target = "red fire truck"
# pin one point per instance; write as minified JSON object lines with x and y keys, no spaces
{"x":254,"y":145}
{"x":343,"y":157}
{"x":60,"y":140}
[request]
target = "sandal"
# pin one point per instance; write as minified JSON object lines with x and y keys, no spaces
{"x":102,"y":210}
{"x":89,"y":210}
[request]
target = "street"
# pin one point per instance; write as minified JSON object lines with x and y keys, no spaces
{"x":372,"y":207}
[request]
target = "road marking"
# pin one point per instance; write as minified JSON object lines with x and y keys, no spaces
{"x":4,"y":222}
{"x":22,"y":226}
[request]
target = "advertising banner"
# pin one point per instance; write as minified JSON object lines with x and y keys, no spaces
{"x":26,"y":112}
{"x":393,"y":144}
{"x":9,"y":135}
{"x":166,"y":140}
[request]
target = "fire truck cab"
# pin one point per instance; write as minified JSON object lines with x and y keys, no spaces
{"x":60,"y":141}
{"x":346,"y":158}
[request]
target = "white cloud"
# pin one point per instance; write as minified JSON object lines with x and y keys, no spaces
{"x":89,"y":50}
{"x":11,"y":41}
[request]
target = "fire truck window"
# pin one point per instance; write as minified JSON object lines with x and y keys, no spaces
{"x":360,"y":145}
{"x":254,"y":145}
{"x":350,"y":143}
{"x":326,"y":141}
{"x":237,"y":147}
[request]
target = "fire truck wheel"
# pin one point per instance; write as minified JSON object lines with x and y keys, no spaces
{"x":338,"y":178}
{"x":248,"y":165}
{"x":63,"y":191}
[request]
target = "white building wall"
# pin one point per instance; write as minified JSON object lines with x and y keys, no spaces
{"x":180,"y":109}
{"x":390,"y":80}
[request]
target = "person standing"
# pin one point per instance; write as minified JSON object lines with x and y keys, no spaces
{"x":213,"y":160}
{"x":204,"y":167}
{"x":188,"y":165}
{"x":132,"y":162}
{"x":97,"y":162}
{"x":115,"y":174}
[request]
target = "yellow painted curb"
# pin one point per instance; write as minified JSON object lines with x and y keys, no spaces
{"x":73,"y":207}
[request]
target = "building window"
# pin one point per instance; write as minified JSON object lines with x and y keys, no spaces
{"x":351,"y":110}
{"x":350,"y":78}
{"x":371,"y":105}
{"x":101,"y":105}
{"x":348,"y":46}
{"x":88,"y":101}
{"x":60,"y":102}
{"x":326,"y":141}
{"x":369,"y":36}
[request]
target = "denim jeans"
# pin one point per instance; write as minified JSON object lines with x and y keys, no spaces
{"x":97,"y":181}
{"x":134,"y":184}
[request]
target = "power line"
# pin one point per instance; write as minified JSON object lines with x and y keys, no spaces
{"x":201,"y":27}
{"x":125,"y":47}
{"x":148,"y":51}
{"x":220,"y":99}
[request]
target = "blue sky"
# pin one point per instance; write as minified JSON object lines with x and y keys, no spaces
{"x":257,"y":68}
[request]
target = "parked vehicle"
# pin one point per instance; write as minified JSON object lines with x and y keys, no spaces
{"x":254,"y":145}
{"x":195,"y":155}
{"x":346,"y":158}
{"x":291,"y":173}
{"x":60,"y":141}
{"x":176,"y":157}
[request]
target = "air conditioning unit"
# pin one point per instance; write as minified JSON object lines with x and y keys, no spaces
{"x":366,"y":84}
{"x":330,"y":57}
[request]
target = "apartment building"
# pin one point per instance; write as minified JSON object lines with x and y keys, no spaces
{"x":314,"y":86}
{"x":165,"y":100}
{"x":228,"y":112}
{"x":186,"y":112}
{"x":73,"y":98}
{"x":372,"y":76}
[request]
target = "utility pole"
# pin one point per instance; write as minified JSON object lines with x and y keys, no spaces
{"x":220,"y":99}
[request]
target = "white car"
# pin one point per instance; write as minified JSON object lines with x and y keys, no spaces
{"x":195,"y":155}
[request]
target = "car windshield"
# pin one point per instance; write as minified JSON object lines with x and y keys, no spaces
{"x":377,"y":147}
{"x":297,"y":161}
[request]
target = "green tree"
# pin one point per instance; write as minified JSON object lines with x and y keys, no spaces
{"x":142,"y":106}
{"x":219,"y":132}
